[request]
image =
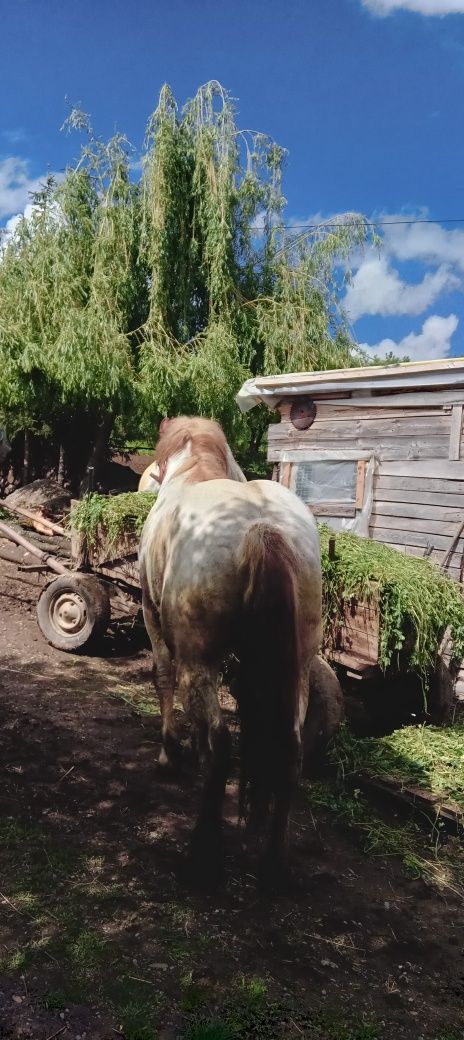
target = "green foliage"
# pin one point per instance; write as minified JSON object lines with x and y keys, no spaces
{"x":419,"y":756}
{"x":111,"y":516}
{"x":417,"y":603}
{"x":124,"y":300}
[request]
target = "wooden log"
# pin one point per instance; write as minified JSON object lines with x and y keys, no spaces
{"x":51,"y":561}
{"x":43,"y":522}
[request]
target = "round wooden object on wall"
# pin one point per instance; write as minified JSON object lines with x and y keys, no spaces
{"x":303,"y":413}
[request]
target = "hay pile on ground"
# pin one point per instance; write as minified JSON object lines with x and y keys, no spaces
{"x":425,"y":757}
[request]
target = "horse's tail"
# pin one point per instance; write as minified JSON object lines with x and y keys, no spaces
{"x":269,"y":669}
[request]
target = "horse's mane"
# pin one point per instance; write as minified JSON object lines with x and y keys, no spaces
{"x":208,"y":459}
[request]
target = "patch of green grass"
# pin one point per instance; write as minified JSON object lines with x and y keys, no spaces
{"x":276,"y":1020}
{"x":136,"y":1018}
{"x":420,"y":756}
{"x":193,"y":995}
{"x":209,"y":1030}
{"x":88,"y":949}
{"x":54,"y":1000}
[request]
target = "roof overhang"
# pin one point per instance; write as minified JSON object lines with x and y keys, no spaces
{"x":448,"y":373}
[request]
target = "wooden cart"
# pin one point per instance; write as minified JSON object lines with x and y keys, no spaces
{"x":74,"y":608}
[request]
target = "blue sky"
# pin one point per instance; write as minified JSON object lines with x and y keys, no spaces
{"x":366,"y":95}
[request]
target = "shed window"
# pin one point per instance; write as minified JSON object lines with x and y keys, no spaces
{"x":317,"y":482}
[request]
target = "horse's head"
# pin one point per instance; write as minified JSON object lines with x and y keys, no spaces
{"x":195,"y":448}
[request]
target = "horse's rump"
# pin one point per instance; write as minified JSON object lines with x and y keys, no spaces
{"x":270,"y":665}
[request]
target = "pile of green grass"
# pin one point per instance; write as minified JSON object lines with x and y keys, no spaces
{"x":417,"y":603}
{"x":97,"y":516}
{"x":418,"y":756}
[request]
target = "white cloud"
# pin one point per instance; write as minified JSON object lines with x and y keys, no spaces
{"x":16,"y":185}
{"x":433,"y":341}
{"x":427,"y":7}
{"x":377,"y":288}
{"x":427,"y":242}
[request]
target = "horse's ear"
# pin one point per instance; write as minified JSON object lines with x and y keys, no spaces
{"x":164,"y":425}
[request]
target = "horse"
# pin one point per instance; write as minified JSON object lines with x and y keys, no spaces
{"x":231,"y":567}
{"x":151,"y":481}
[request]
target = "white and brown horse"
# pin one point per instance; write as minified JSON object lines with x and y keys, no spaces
{"x":230,"y":566}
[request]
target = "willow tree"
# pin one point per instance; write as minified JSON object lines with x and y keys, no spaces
{"x":125,"y":299}
{"x":71,"y":295}
{"x":231,"y":293}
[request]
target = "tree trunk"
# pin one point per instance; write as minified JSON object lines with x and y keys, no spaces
{"x":61,"y":472}
{"x":99,"y":450}
{"x":26,"y":458}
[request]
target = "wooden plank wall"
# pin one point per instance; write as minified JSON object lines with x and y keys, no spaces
{"x":390,"y":433}
{"x":419,"y":487}
{"x":419,"y":515}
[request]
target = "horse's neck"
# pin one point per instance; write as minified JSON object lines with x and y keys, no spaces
{"x":187,"y":468}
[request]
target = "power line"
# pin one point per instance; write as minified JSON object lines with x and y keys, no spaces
{"x":365,"y":223}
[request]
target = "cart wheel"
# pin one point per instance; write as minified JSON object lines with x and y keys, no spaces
{"x":73,"y":611}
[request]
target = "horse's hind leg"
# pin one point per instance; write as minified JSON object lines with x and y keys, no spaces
{"x":164,"y":680}
{"x":197,"y":688}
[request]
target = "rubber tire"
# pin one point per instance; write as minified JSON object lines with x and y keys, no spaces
{"x":97,"y":606}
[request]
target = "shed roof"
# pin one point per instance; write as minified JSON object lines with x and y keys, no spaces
{"x":448,"y":372}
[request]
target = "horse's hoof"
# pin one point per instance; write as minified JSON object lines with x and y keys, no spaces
{"x":170,"y":757}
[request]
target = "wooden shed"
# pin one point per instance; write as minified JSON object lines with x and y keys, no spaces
{"x":377,"y":450}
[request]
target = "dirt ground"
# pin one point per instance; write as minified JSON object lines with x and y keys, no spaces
{"x":99,"y":935}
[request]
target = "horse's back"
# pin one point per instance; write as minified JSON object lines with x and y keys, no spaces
{"x":193,"y":544}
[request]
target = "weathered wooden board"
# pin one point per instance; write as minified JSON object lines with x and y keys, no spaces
{"x":431,"y":485}
{"x":435,"y":555}
{"x":332,"y":509}
{"x":425,"y":498}
{"x":370,"y":409}
{"x":392,"y":449}
{"x":455,"y":432}
{"x":415,"y":511}
{"x":355,"y":634}
{"x":405,"y":537}
{"x":414,"y":524}
{"x":355,"y":428}
{"x":432,"y":467}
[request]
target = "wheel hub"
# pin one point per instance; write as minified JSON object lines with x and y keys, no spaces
{"x":69,"y":614}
